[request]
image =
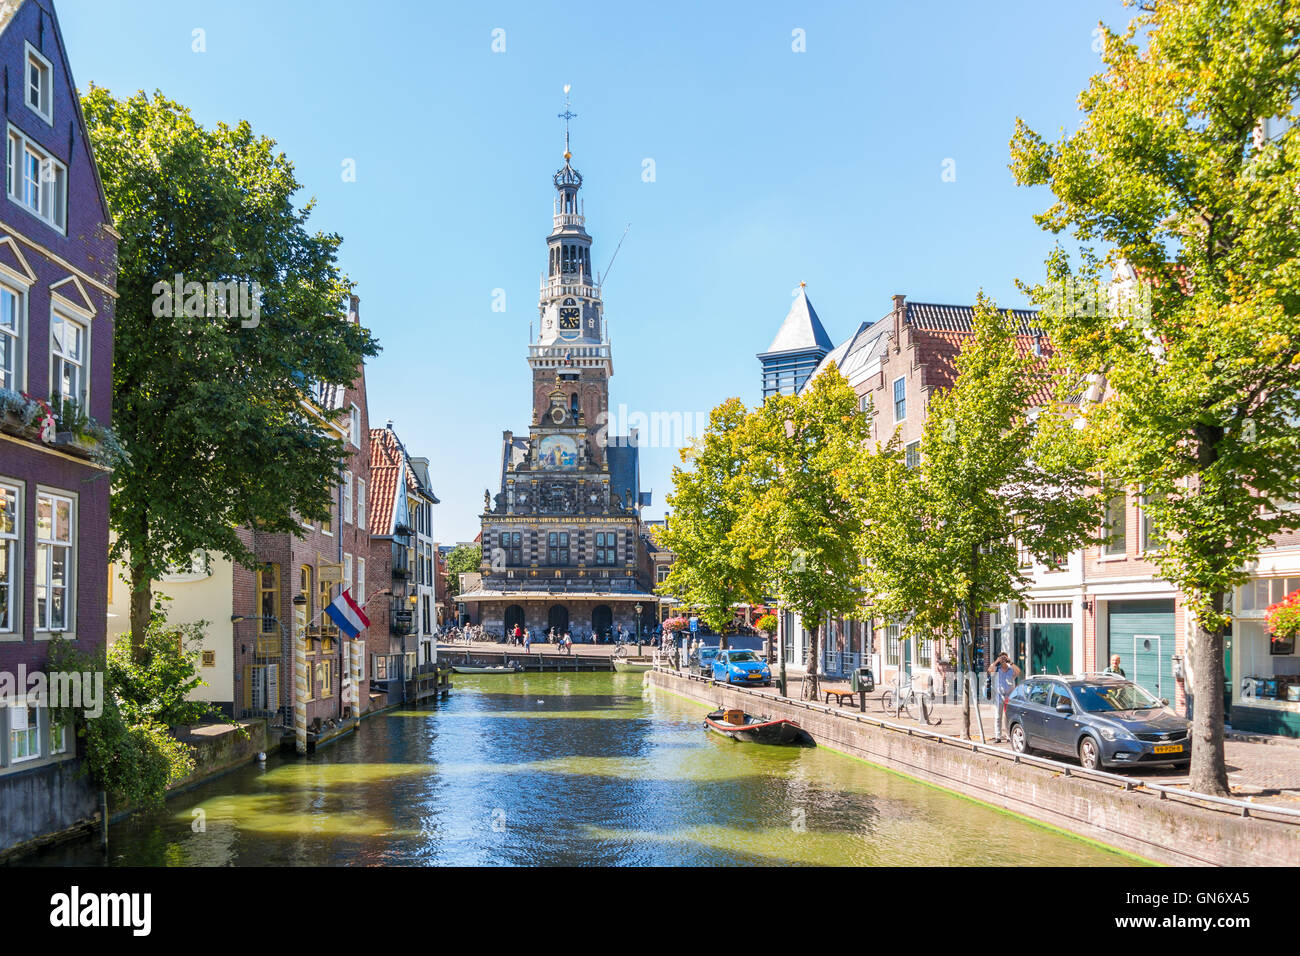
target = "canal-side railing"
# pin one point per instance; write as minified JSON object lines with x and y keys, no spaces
{"x":1161,"y":792}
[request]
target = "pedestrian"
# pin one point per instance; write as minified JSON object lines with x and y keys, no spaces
{"x":518,"y":635}
{"x":1114,"y":667}
{"x":1005,"y":674}
{"x":528,"y":641}
{"x":568,"y":643}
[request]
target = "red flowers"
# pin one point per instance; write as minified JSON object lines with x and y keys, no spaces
{"x":1284,"y":617}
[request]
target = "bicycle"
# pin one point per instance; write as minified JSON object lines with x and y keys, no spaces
{"x":902,"y":697}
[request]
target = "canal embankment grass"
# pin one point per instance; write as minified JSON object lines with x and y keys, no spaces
{"x":1136,"y":821}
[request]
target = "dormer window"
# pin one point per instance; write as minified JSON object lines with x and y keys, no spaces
{"x":36,"y":180}
{"x":40,"y":85}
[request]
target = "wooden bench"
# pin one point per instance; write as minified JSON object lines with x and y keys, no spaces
{"x":839,"y":692}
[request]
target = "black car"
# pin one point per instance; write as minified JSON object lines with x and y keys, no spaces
{"x":1103,"y":720}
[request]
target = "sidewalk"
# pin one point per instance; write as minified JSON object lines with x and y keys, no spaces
{"x":1260,"y":771}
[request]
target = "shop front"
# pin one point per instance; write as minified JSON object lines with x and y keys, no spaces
{"x":1264,"y":674}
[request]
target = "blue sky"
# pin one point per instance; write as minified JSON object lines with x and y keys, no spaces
{"x":771,"y":167}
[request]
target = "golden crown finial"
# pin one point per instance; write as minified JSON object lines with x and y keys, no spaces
{"x":802,"y":284}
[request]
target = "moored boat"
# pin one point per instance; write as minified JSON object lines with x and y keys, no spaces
{"x":498,"y":669}
{"x":633,"y":665}
{"x":739,"y":725}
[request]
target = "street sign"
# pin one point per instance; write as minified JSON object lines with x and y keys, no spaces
{"x":695,"y":624}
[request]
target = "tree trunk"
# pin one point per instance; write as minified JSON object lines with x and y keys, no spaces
{"x":141,"y":609}
{"x":1209,"y":772}
{"x":814,"y":651}
{"x":963,"y":668}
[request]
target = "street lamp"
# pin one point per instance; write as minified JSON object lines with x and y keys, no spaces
{"x":638,"y":629}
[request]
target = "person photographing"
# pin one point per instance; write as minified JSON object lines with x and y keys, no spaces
{"x":1005,"y":674}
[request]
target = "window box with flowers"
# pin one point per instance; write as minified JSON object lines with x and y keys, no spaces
{"x":61,"y":424}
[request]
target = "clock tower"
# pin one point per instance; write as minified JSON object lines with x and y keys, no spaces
{"x":571,"y":359}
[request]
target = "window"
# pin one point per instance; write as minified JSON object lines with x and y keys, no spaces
{"x":54,"y":562}
{"x":11,"y":339}
{"x":558,"y":545}
{"x":891,"y":644}
{"x":1152,"y":539}
{"x":912,"y":455}
{"x":24,"y":734}
{"x":1116,"y":527}
{"x":361,"y":580}
{"x":661,"y":574}
{"x":40,"y":85}
{"x":209,"y":658}
{"x":354,"y":427}
{"x":361,"y":503}
{"x":512,"y":544}
{"x":606,"y":545}
{"x":304,"y":589}
{"x":325,"y":671}
{"x":1038,"y":692}
{"x":58,"y":733}
{"x":67,"y":360}
{"x":36,"y":180}
{"x":310,"y":682}
{"x":268,"y":586}
{"x":326,"y":596}
{"x":347,"y":497}
{"x":900,"y":399}
{"x":10,"y":559}
{"x":379,"y":665}
{"x":347,"y":572}
{"x":864,"y":404}
{"x":924,"y":652}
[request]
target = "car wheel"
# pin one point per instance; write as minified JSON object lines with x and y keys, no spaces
{"x":1019,"y":742}
{"x":1089,"y":754}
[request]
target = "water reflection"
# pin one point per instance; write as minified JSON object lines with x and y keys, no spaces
{"x":564,"y":769}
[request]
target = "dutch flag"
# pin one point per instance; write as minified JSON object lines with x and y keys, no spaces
{"x":345,"y":612}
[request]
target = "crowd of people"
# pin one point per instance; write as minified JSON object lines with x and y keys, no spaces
{"x":564,"y":639}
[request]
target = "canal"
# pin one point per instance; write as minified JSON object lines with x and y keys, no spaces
{"x":567,"y":769}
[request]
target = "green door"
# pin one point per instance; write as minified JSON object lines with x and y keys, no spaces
{"x":1051,"y":648}
{"x":1142,"y":634}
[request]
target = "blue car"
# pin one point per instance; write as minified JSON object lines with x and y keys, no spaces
{"x":702,"y":661}
{"x":741,"y":667}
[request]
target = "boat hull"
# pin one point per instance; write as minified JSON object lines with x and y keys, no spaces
{"x":757,"y":730}
{"x":624,"y":666}
{"x":463,"y":669}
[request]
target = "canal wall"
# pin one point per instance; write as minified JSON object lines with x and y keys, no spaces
{"x":1136,"y":820}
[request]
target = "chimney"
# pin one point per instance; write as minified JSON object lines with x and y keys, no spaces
{"x":899,"y":307}
{"x":389,"y":425}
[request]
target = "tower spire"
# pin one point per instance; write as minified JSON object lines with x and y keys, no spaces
{"x":567,"y":115}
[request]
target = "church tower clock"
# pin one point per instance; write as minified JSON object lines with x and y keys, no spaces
{"x":571,"y":359}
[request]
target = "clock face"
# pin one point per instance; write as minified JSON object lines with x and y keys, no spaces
{"x":570,"y":316}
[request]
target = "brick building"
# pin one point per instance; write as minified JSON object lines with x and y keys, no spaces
{"x":58,"y":270}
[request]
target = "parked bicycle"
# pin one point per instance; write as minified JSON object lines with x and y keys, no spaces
{"x":904,"y":696}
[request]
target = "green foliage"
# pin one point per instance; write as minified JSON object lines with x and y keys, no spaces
{"x":133,"y":760}
{"x":152,"y":686}
{"x":210,"y":411}
{"x":712,"y":566}
{"x":941,"y":539}
{"x":1202,"y":395}
{"x":465,"y":558}
{"x":798,"y":528}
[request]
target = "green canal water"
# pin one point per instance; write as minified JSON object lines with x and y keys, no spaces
{"x":568,"y":769}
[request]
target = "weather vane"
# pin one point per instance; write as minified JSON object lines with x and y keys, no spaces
{"x":567,"y":115}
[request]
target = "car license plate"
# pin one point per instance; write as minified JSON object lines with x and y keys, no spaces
{"x":1168,"y":749}
{"x":755,"y":675}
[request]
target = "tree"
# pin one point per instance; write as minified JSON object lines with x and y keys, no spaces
{"x":1168,"y":173}
{"x":939,"y":540}
{"x":463,"y":558}
{"x":797,"y":526}
{"x":208,"y":399}
{"x":711,"y":569}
